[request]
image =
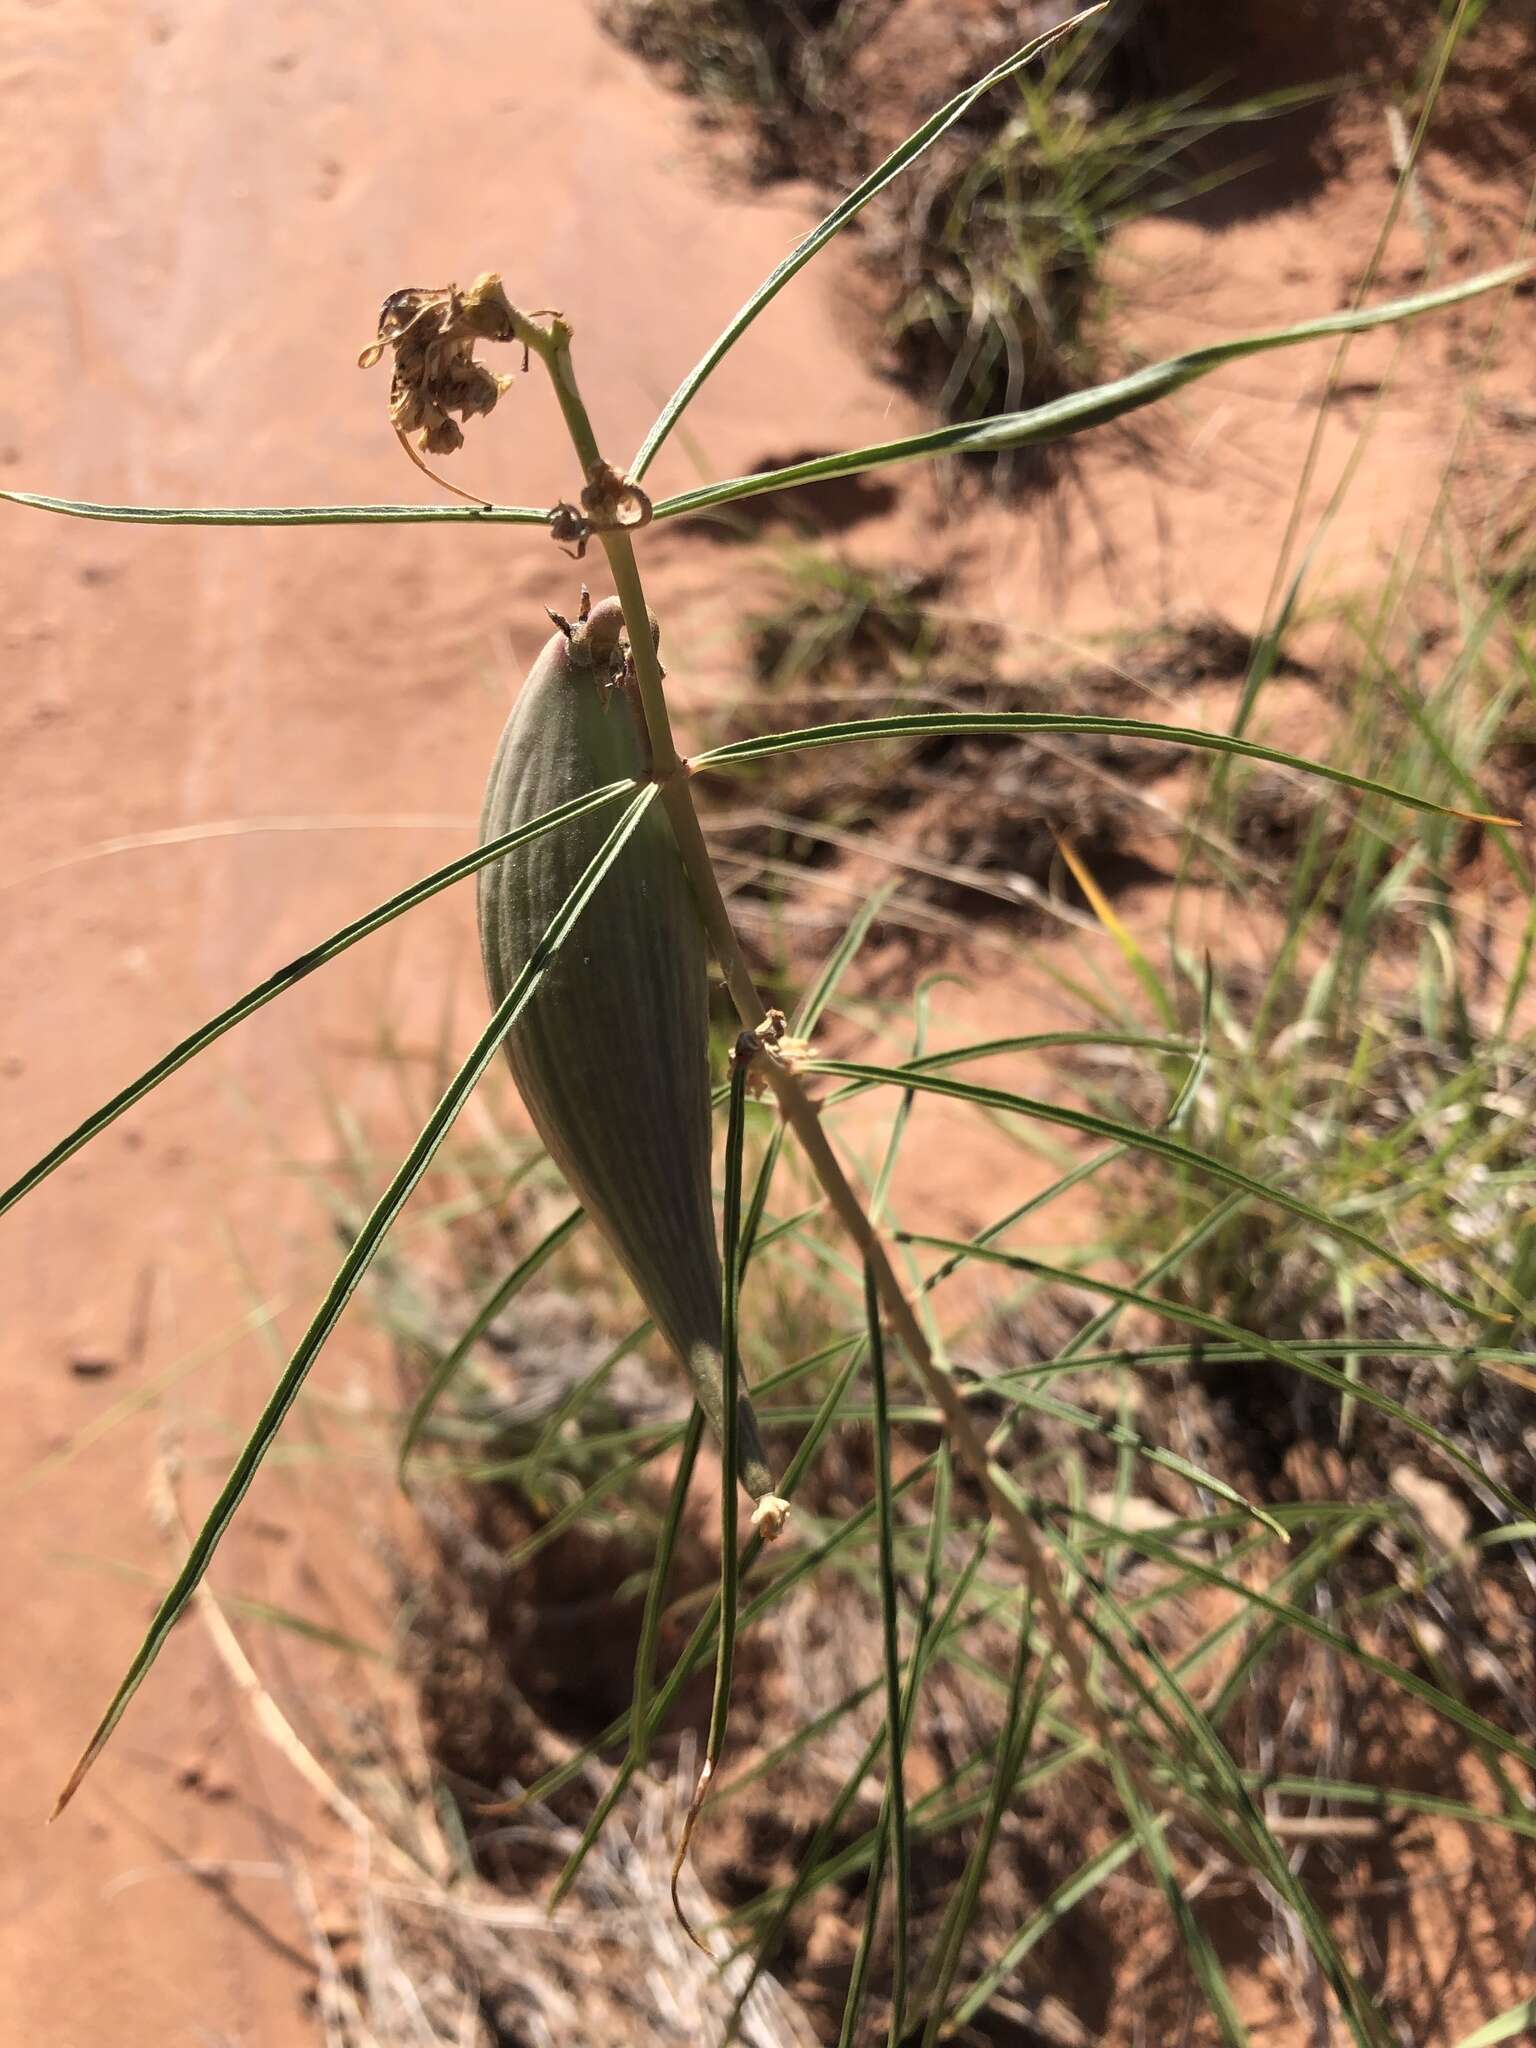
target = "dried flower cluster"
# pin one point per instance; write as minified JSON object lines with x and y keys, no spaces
{"x":433,"y":333}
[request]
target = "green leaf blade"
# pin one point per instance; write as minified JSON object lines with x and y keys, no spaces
{"x":1080,"y":411}
{"x":846,"y":210}
{"x":348,"y":1275}
{"x":296,"y":970}
{"x":959,"y":724}
{"x":1154,"y":1142}
{"x":283,"y":515}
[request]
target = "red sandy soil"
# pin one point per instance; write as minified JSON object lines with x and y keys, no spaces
{"x":201,"y":207}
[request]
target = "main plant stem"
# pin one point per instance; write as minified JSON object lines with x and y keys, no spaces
{"x":799,"y":1111}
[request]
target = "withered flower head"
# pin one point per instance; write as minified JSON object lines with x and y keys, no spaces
{"x":433,"y":334}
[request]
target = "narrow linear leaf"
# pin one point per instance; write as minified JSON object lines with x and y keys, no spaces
{"x":1432,"y":1695}
{"x":1167,"y":1262}
{"x":285,"y":515}
{"x":285,"y":977}
{"x":1020,"y":1719}
{"x":1203,"y":1959}
{"x":264,"y":1611}
{"x":847,"y":208}
{"x":803,"y":1738}
{"x":730,"y":1351}
{"x":1131,"y":1440}
{"x":838,"y":961}
{"x":730,"y":1468}
{"x":529,"y":1470}
{"x":693,"y":1652}
{"x":1068,"y":1894}
{"x":1253,"y":1836}
{"x":925,"y":724}
{"x":498,"y":1298}
{"x":1080,"y":410}
{"x":1028,"y":1207}
{"x":1034,"y":1041}
{"x":1252,"y":1348}
{"x":656,"y":1590}
{"x":351,"y":1271}
{"x":880,"y":1193}
{"x":1516,"y":2020}
{"x":609,"y":1483}
{"x":1297,"y":1357}
{"x":1155,"y":1142}
{"x":894,"y":1814}
{"x":777,"y":1907}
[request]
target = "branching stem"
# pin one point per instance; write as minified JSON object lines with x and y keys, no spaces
{"x":552,"y":345}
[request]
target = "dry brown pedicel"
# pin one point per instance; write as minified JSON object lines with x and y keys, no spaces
{"x":611,"y":1054}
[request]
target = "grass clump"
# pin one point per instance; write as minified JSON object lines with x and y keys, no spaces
{"x":973,"y":828}
{"x":778,"y":63}
{"x":998,"y":257}
{"x":1375,"y":1041}
{"x":986,"y":271}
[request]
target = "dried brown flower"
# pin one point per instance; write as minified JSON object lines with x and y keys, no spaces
{"x":433,"y":333}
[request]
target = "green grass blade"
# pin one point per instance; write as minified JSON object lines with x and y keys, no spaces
{"x":1127,"y":1439}
{"x":804,"y":1735}
{"x":285,"y":515}
{"x":730,"y":1450}
{"x":611,"y":1481}
{"x":761,"y":1187}
{"x":925,"y":724}
{"x":880,"y":1193}
{"x":656,"y":1591}
{"x":1476,"y":1725}
{"x":838,"y":961}
{"x":896,"y":1853}
{"x":1189,"y":1086}
{"x":285,"y":977}
{"x":694,"y":1650}
{"x":1020,"y":1720}
{"x":938,"y":1811}
{"x":1154,"y":1142}
{"x":1028,"y":1207}
{"x":1167,"y":1262}
{"x":1253,"y":1838}
{"x":1297,"y":1357}
{"x":1081,"y":410}
{"x":780,"y":1905}
{"x":551,"y":1434}
{"x":1197,"y":1943}
{"x":847,"y":208}
{"x":1068,"y":1894}
{"x":1251,"y":1348}
{"x":1033,"y":1041}
{"x":505,"y":1291}
{"x":266,"y":1612}
{"x":351,"y":1271}
{"x":1518,"y":2019}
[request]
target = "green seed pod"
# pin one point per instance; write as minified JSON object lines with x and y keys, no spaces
{"x":611,"y":1054}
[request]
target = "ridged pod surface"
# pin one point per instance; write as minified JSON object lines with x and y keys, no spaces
{"x":611,"y":1053}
